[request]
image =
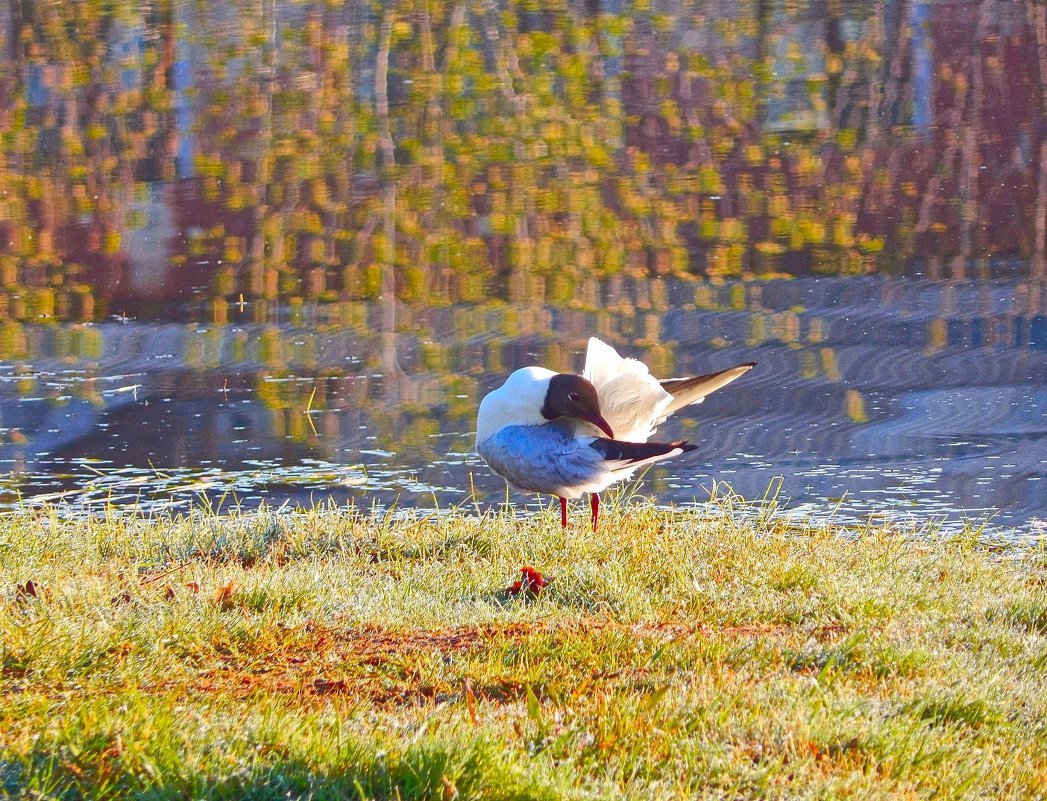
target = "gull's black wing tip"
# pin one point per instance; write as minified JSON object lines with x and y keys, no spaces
{"x":632,"y":453}
{"x":684,"y":445}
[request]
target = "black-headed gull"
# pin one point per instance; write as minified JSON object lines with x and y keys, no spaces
{"x":542,"y":431}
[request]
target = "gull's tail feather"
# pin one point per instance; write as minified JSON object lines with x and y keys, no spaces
{"x":686,"y":391}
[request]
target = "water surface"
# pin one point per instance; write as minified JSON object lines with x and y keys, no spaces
{"x":274,"y":250}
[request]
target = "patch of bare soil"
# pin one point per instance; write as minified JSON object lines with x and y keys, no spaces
{"x":320,"y":663}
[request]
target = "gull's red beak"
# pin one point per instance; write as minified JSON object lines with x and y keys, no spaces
{"x":598,"y":421}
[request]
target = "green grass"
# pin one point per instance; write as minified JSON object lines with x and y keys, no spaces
{"x":327,"y":654}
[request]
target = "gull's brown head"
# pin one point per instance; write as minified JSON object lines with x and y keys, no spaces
{"x":572,"y":396}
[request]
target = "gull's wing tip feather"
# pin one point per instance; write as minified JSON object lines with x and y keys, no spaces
{"x":634,"y":454}
{"x":598,"y":349}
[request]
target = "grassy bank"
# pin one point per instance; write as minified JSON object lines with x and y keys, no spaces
{"x":333,"y":655}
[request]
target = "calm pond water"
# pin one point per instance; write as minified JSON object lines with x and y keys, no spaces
{"x":277,"y":251}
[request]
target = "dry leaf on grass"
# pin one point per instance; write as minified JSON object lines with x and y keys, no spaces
{"x":325,"y":686}
{"x":450,"y":790}
{"x":223,"y":596}
{"x":470,"y":702}
{"x":120,"y":599}
{"x":29,"y":590}
{"x":530,"y":583}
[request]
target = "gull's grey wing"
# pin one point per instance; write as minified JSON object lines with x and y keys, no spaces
{"x":546,"y":458}
{"x":551,"y":459}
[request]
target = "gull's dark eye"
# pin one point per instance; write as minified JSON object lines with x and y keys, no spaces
{"x":573,"y":397}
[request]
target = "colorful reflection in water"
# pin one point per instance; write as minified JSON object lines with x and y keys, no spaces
{"x":279,"y":249}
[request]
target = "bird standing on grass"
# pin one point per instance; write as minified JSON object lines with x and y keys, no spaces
{"x":543,"y":431}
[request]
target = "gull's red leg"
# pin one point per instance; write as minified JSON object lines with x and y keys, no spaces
{"x":594,"y":502}
{"x":563,"y":512}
